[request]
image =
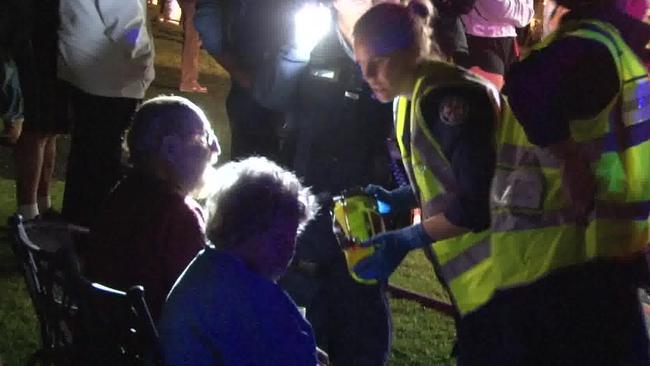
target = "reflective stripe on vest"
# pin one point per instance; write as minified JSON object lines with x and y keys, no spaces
{"x":534,"y":230}
{"x":463,"y":261}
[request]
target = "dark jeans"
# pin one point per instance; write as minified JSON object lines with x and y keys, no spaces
{"x":584,"y":315}
{"x":95,"y":161}
{"x":254,"y":129}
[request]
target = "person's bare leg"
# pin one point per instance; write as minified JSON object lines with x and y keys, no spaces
{"x":47,"y":170}
{"x":28,"y":156}
{"x":190,"y":53}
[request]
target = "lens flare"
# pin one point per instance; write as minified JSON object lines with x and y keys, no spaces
{"x":311,"y":23}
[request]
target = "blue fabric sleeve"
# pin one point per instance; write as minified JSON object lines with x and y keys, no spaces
{"x":184,"y":339}
{"x":288,"y":338}
{"x":469,"y":148}
{"x":269,"y":329}
{"x":209,"y":21}
{"x":221,"y":313}
{"x":405,"y":196}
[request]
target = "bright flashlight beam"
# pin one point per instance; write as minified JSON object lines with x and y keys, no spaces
{"x":311,"y":23}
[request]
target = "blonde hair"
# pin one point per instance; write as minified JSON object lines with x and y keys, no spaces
{"x":389,"y":27}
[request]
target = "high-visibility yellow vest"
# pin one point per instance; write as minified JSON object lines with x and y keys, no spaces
{"x":534,"y":231}
{"x":463,"y":261}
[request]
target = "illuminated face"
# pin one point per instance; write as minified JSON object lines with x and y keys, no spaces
{"x":196,"y":152}
{"x":388,"y":75}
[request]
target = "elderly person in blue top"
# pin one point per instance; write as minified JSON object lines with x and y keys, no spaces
{"x":226,"y":308}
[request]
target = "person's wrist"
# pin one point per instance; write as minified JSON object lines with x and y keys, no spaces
{"x":403,"y":198}
{"x":418,"y":236}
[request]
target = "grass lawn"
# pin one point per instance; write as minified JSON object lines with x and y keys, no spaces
{"x":420,"y":336}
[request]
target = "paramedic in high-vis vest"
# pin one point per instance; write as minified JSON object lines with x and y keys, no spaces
{"x":555,"y":281}
{"x":571,"y":196}
{"x":445,"y":121}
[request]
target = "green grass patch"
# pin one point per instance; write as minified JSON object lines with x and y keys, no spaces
{"x":420,"y":336}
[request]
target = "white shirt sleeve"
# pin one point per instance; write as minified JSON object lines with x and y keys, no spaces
{"x":125,"y":24}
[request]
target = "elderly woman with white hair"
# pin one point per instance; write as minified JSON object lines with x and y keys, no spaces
{"x":226,"y":308}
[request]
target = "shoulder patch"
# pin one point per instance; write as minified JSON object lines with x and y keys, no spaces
{"x":453,"y":110}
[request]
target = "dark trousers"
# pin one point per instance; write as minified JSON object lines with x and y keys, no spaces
{"x":351,"y":321}
{"x":95,"y":161}
{"x":254,"y":129}
{"x":586,"y":315}
{"x":356,"y":320}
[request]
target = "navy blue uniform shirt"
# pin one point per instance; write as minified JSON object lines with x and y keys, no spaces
{"x":468,"y":144}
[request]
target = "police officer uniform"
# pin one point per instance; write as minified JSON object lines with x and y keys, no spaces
{"x":336,"y":140}
{"x":340,"y":129}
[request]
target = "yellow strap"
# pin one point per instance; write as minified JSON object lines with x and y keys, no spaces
{"x":400,"y":124}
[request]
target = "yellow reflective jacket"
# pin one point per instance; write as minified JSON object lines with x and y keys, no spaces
{"x":462,"y":261}
{"x":534,"y":231}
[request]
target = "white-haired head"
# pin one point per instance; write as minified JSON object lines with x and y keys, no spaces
{"x":256,"y":211}
{"x":172,"y":138}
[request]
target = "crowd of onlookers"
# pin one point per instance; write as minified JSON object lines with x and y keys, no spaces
{"x":224,"y":278}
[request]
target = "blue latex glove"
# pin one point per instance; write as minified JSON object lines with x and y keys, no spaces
{"x":401,"y":199}
{"x":390,"y":249}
